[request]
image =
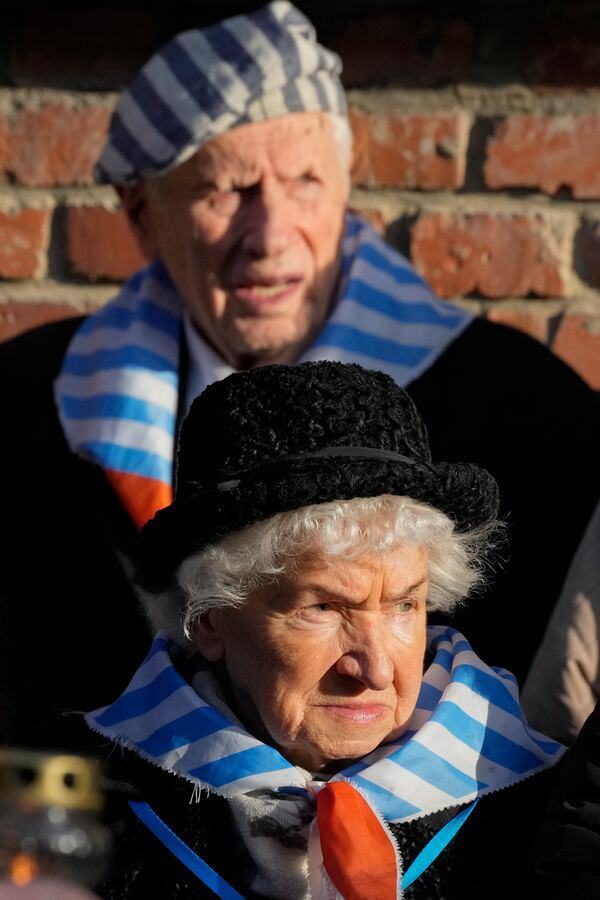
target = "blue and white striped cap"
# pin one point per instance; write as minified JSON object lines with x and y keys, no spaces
{"x":205,"y":82}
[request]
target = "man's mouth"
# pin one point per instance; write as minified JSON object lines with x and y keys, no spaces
{"x":260,"y":292}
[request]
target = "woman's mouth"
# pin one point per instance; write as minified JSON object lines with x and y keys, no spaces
{"x":363,"y":713}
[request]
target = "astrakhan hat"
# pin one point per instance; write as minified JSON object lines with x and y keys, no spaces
{"x":207,"y":81}
{"x":277,"y":438}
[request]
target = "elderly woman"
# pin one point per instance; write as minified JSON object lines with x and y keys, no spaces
{"x":297,"y":730}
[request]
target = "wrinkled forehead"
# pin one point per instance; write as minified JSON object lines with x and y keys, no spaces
{"x":393,"y":572}
{"x":286,"y":146}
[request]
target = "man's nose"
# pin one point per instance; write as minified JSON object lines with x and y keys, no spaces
{"x":268,"y":223}
{"x":367,"y":658}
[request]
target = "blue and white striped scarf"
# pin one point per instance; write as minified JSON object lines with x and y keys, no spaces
{"x":117,"y":393}
{"x":466,"y":738}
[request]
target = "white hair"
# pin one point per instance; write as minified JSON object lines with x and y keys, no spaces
{"x":225,"y":573}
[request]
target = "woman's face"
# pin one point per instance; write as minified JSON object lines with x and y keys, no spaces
{"x":327,"y":663}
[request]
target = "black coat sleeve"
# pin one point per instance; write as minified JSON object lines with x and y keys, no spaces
{"x":565,"y":858}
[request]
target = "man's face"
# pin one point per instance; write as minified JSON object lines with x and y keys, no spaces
{"x":326,"y":663}
{"x":249,"y":229}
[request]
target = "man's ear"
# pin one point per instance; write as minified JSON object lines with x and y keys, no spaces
{"x":207,"y":636}
{"x":141,"y":212}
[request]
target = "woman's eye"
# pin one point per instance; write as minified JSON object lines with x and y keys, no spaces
{"x":406,"y":606}
{"x":316,"y":609}
{"x":318,"y":613}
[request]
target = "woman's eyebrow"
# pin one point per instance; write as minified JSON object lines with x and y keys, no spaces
{"x":415,"y":585}
{"x":330,"y":594}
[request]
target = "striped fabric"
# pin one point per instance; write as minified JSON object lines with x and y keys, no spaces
{"x":118,"y":388}
{"x":466,"y":738}
{"x":117,"y":393}
{"x":205,"y":82}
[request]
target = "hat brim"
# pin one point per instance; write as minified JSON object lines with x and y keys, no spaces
{"x":465,"y":492}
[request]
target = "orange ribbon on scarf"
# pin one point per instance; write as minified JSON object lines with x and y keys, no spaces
{"x":358,"y":854}
{"x":141,"y":496}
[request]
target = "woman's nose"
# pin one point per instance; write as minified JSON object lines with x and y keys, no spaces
{"x":368,"y":660}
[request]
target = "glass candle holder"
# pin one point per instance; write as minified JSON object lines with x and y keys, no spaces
{"x":50,"y":806}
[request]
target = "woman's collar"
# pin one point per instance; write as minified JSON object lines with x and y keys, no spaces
{"x":467,"y":736}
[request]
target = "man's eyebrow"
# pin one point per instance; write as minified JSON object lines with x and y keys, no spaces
{"x":204,"y":183}
{"x":216,"y":179}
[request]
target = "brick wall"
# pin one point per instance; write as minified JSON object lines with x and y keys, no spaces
{"x":476,"y":153}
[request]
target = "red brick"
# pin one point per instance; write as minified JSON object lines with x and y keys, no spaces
{"x":24,"y":240}
{"x":409,"y":151}
{"x":82,"y":48}
{"x":564,"y":54}
{"x":55,"y":144}
{"x":416,"y":51}
{"x":101,"y":244}
{"x":17,"y":317}
{"x":529,"y":321}
{"x":492,"y":255}
{"x":578,"y":343}
{"x":546,"y":153}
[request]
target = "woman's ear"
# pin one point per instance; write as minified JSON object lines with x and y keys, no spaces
{"x":207,"y":635}
{"x":139,"y":209}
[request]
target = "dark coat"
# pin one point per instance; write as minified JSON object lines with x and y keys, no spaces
{"x":487,"y":858}
{"x":566,"y":853}
{"x":71,"y":631}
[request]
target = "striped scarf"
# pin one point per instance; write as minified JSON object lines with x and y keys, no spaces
{"x":117,"y":393}
{"x":466,"y":738}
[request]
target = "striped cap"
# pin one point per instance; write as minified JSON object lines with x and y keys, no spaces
{"x":205,"y":82}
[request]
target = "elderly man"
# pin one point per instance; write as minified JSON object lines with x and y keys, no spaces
{"x":230,"y":152}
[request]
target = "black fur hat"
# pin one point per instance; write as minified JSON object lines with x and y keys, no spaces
{"x":274,"y":439}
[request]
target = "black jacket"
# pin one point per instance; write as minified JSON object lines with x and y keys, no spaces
{"x":488,"y":857}
{"x":71,"y":631}
{"x":566,"y":853}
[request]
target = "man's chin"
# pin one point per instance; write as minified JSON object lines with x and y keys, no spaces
{"x":261,"y":347}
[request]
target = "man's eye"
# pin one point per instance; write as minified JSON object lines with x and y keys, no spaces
{"x":224,"y":201}
{"x":309,"y":180}
{"x":304,"y":185}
